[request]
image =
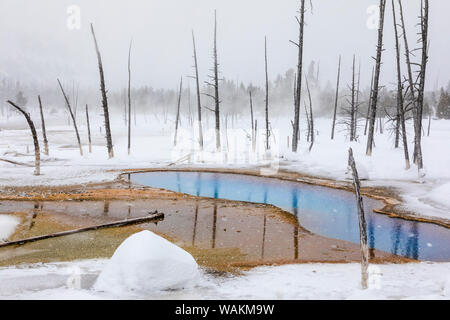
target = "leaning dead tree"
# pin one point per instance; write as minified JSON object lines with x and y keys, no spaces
{"x":215,"y":86}
{"x":44,"y":133}
{"x":400,"y":103}
{"x":74,"y":121}
{"x":199,"y":104}
{"x":37,"y":151}
{"x":333,"y":127}
{"x":362,"y":222}
{"x":374,"y":99}
{"x":88,"y":129}
{"x":298,"y":86}
{"x":129,"y":98}
{"x":267,"y":95}
{"x":104,"y":97}
{"x":177,"y":121}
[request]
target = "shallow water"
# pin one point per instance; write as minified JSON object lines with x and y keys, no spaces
{"x":324,"y":211}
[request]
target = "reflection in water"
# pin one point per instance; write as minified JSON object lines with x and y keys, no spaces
{"x":105,"y":208}
{"x":413,"y":242}
{"x":396,"y":234}
{"x":264,"y":236}
{"x":371,"y":237}
{"x":243,"y":234}
{"x":195,"y":224}
{"x":323,"y":211}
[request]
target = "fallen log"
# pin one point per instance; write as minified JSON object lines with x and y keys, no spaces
{"x":16,"y":163}
{"x":153,"y":217}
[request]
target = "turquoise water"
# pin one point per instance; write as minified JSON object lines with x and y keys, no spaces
{"x":324,"y":211}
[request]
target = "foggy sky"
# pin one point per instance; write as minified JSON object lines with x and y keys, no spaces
{"x":37,"y":47}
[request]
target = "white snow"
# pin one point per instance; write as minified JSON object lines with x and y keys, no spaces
{"x":8,"y":224}
{"x":146,"y":262}
{"x":304,"y":281}
{"x":152,"y":147}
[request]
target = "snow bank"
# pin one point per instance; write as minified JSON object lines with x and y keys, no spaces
{"x":146,"y":262}
{"x":303,"y":281}
{"x":441,"y":194}
{"x":7,"y":226}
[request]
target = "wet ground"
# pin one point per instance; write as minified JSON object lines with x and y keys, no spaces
{"x":220,"y":234}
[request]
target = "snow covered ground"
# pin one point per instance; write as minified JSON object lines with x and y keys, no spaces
{"x":307,"y":281}
{"x":152,"y":146}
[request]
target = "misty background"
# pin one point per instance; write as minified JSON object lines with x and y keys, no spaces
{"x":38,"y":46}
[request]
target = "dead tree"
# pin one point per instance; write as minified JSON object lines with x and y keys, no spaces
{"x":129,"y":98}
{"x":44,"y":133}
{"x":74,"y":121}
{"x":178,"y":112}
{"x":298,"y":88}
{"x":424,"y":17}
{"x":88,"y":129}
{"x":336,"y":99}
{"x":311,"y":116}
{"x":400,"y":103}
{"x":353,"y":105}
{"x":357,"y":104}
{"x":37,"y":151}
{"x":373,"y":106}
{"x":267,"y":95}
{"x":412,"y":87}
{"x":199,"y":104}
{"x":253,"y":124}
{"x":370,"y":102}
{"x":215,"y":85}
{"x":104,"y":98}
{"x":362,"y":222}
{"x":308,"y":135}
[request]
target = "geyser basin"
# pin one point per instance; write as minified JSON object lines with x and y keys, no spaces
{"x":323,"y":211}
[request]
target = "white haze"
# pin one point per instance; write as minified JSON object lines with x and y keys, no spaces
{"x":37,"y":47}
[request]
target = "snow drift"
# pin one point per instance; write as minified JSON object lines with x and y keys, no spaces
{"x":146,"y":262}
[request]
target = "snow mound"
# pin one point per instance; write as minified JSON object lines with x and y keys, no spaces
{"x":145,"y":262}
{"x":7,"y":226}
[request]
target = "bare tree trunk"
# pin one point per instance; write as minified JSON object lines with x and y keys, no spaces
{"x":308,"y":135}
{"x":424,"y":16}
{"x":72,"y":116}
{"x":429,"y":124}
{"x":178,"y":112}
{"x":355,"y":129}
{"x":104,"y":98}
{"x":129,"y":98}
{"x":352,"y":106}
{"x":373,"y":107}
{"x":362,"y":223}
{"x":370,"y":102}
{"x":296,"y":124}
{"x":88,"y":129}
{"x":400,"y":105}
{"x":253,"y":124}
{"x":44,"y":133}
{"x":37,"y":151}
{"x":267,"y":95}
{"x":216,"y":85}
{"x":199,"y":105}
{"x":336,"y":99}
{"x":311,"y":116}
